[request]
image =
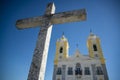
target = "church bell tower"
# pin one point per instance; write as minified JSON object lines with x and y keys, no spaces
{"x":95,"y":52}
{"x":62,"y":48}
{"x":94,"y":48}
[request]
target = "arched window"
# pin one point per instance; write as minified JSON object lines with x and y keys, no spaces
{"x":78,"y":70}
{"x":94,"y":47}
{"x":61,"y":50}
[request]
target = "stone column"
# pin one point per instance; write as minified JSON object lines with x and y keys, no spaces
{"x":63,"y":72}
{"x":38,"y":65}
{"x":93,"y":71}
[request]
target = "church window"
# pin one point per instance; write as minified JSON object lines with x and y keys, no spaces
{"x":87,"y":71}
{"x":61,"y":50}
{"x":94,"y":47}
{"x":99,"y":71}
{"x":70,"y":71}
{"x":78,"y":70}
{"x":59,"y":71}
{"x":78,"y":65}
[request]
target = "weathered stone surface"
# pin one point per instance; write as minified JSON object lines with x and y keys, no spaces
{"x":69,"y":16}
{"x":38,"y":65}
{"x":58,"y":18}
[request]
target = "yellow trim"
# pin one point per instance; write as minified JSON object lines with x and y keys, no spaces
{"x":55,"y":62}
{"x":99,"y":48}
{"x":100,"y":51}
{"x":89,"y":45}
{"x":56,"y":55}
{"x":65,"y":51}
{"x":102,"y":61}
{"x":91,"y":52}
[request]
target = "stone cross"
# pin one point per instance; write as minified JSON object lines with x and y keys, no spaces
{"x":38,"y":65}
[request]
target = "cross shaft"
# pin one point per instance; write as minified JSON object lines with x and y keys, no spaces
{"x":38,"y":65}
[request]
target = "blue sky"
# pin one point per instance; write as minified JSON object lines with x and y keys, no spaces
{"x":17,"y":46}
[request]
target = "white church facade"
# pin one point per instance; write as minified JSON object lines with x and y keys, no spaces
{"x":79,"y":66}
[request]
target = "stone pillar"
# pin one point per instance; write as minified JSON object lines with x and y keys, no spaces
{"x":63,"y":72}
{"x":38,"y":65}
{"x":54,"y":72}
{"x":105,"y":72}
{"x":93,"y":71}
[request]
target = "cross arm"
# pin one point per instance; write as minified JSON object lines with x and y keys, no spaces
{"x":69,"y":16}
{"x":58,"y":18}
{"x":29,"y":22}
